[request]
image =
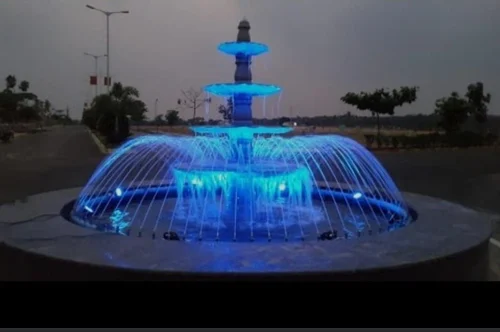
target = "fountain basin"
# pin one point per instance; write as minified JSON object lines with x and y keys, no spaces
{"x":291,"y":213}
{"x":448,"y":242}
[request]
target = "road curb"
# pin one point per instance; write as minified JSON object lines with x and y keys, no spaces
{"x":97,"y":141}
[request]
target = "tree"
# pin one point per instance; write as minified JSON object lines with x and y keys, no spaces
{"x":26,"y":106}
{"x":128,"y":102}
{"x":137,"y":110}
{"x":123,"y":93}
{"x":109,"y":113}
{"x":158,"y":119}
{"x":381,"y":101}
{"x":478,"y":101}
{"x":172,"y":117}
{"x":8,"y":106}
{"x":192,"y":100}
{"x":124,"y":103}
{"x":17,"y":106}
{"x":227,"y":110}
{"x":28,"y":113}
{"x":99,"y":105}
{"x":10,"y":82}
{"x":47,"y":105}
{"x":24,"y":86}
{"x":452,"y":112}
{"x":102,"y":115}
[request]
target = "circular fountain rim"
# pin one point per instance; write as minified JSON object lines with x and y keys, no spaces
{"x":460,"y":233}
{"x":340,"y":195}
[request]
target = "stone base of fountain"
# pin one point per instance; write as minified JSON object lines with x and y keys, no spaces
{"x":448,"y":242}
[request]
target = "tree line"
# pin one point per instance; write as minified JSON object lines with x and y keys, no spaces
{"x":110,"y":113}
{"x":19,"y":105}
{"x":451,"y":114}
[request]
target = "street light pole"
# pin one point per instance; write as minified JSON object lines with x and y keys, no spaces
{"x":107,"y":52}
{"x":96,"y":58}
{"x":156,"y":114}
{"x":108,"y":14}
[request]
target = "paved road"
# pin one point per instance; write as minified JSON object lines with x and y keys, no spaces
{"x":66,"y":157}
{"x":59,"y":158}
{"x":470,"y":177}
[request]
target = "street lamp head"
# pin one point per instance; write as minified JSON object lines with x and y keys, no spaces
{"x":89,"y":6}
{"x":125,"y":12}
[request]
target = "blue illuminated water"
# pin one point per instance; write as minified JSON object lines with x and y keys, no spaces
{"x":294,"y":188}
{"x":241,"y":182}
{"x":240,"y":132}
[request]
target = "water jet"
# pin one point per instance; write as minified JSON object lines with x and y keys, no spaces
{"x":242,"y":182}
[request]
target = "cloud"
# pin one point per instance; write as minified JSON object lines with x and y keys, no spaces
{"x":320,"y":49}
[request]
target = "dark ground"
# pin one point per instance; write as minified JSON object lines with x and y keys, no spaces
{"x":65,"y":157}
{"x":62,"y":157}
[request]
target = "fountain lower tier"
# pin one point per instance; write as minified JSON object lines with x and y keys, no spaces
{"x":242,"y":192}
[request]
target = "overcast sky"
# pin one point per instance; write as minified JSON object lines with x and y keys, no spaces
{"x":320,"y":49}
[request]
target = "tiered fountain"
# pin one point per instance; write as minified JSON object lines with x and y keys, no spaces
{"x":242,"y":182}
{"x":242,"y":201}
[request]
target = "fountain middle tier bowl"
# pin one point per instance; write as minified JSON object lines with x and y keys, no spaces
{"x":256,"y":169}
{"x":249,"y":89}
{"x":245,"y":48}
{"x":240,"y":131}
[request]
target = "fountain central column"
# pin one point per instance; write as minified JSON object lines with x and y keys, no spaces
{"x":242,"y":103}
{"x":242,"y":193}
{"x":246,"y":180}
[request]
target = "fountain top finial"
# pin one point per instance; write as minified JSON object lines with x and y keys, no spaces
{"x":244,"y":24}
{"x":243,"y":31}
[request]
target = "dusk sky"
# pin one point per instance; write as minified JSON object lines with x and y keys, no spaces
{"x":320,"y":49}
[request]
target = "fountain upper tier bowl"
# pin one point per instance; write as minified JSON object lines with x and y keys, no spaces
{"x":249,"y":89}
{"x":245,"y":48}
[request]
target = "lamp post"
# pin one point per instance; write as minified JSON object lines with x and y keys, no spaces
{"x":96,"y":57}
{"x":108,"y":14}
{"x":156,"y":114}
